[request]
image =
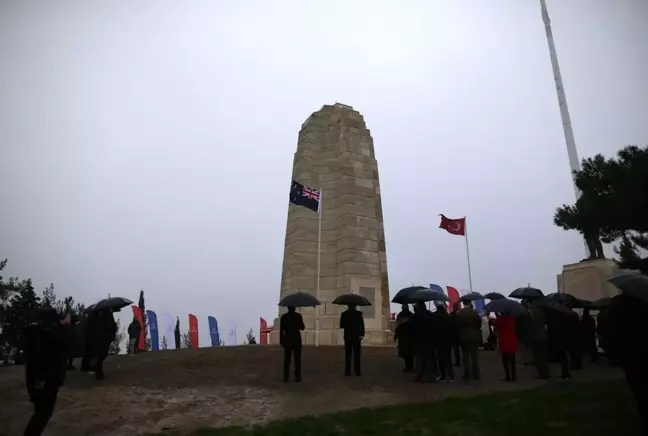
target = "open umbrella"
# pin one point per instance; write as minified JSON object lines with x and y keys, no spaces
{"x":425,"y":295}
{"x":402,"y":296}
{"x":472,"y":296}
{"x":527,"y":293}
{"x":599,"y":304}
{"x":495,"y":296}
{"x":632,"y":284}
{"x":565,"y":298}
{"x":299,"y":299}
{"x":112,"y":303}
{"x":508,"y":307}
{"x":351,"y":300}
{"x":549,"y":304}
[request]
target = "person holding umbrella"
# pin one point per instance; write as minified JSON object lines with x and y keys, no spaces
{"x":422,"y":328}
{"x":352,"y":322}
{"x":290,"y":326}
{"x":469,"y":325}
{"x":444,"y":339}
{"x":403,"y":335}
{"x":508,"y":343}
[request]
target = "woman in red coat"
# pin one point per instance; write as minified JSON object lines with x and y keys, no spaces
{"x":508,"y":343}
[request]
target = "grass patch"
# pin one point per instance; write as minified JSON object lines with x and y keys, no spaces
{"x":574,"y":409}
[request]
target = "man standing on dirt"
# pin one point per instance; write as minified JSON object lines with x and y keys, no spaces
{"x":46,"y":358}
{"x":134,"y":331}
{"x":290,"y":326}
{"x":352,"y":322}
{"x":106,"y":334}
{"x":469,"y":325}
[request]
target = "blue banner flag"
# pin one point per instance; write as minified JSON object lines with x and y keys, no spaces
{"x":479,"y":306}
{"x":153,"y":330}
{"x":213,"y":331}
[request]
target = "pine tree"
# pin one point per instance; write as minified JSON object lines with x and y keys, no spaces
{"x":115,"y":346}
{"x":21,"y":311}
{"x":186,"y":341}
{"x":142,"y":308}
{"x":176,"y":333}
{"x":164,"y":344}
{"x":251,"y":340}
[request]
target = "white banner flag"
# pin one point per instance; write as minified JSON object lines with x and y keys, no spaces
{"x":231,"y":332}
{"x":169,"y":331}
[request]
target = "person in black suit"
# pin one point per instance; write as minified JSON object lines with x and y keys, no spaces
{"x":290,"y":326}
{"x":352,"y":322}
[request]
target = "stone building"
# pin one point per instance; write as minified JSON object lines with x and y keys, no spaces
{"x":335,"y":153}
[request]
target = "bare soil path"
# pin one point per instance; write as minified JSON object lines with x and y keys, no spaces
{"x":187,"y":389}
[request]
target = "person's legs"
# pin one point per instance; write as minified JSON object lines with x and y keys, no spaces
{"x":474,"y":362}
{"x":286,"y":363}
{"x":505,"y":364}
{"x":88,"y":355}
{"x":456,"y":349}
{"x":421,"y":363}
{"x":512,"y":367}
{"x":540,"y":355}
{"x":348,"y":350}
{"x":297,"y":353}
{"x":409,"y":363}
{"x":564,"y":364}
{"x":43,"y":409}
{"x":102,"y":353}
{"x":465,"y":353}
{"x":357,"y":361}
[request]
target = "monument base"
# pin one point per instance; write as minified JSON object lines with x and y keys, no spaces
{"x":588,"y":279}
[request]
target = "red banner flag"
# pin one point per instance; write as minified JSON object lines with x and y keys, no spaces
{"x":137,"y":313}
{"x":453,"y":226}
{"x":393,"y":316}
{"x":264,"y":330}
{"x":453,"y":295}
{"x":193,"y":330}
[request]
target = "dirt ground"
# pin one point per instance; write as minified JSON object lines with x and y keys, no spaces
{"x":181,"y":390}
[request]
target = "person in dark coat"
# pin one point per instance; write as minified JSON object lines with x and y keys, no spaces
{"x":508,"y":344}
{"x":456,"y":347}
{"x":575,"y":348}
{"x":558,"y":325}
{"x":72,"y":339}
{"x":589,"y":335}
{"x":290,"y":326}
{"x":626,"y":335}
{"x":403,"y":335}
{"x":602,"y":325}
{"x":352,"y":322}
{"x":134,"y":332}
{"x":469,"y":325}
{"x":46,"y":357}
{"x":444,"y":337}
{"x":422,"y":330}
{"x":107,"y":331}
{"x":90,"y":332}
{"x":540,"y":341}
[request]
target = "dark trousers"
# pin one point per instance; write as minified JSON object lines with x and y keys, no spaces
{"x":508,"y":361}
{"x":563,"y":358}
{"x":456,"y":349}
{"x":44,"y":404}
{"x":576,"y":357}
{"x":638,"y":382}
{"x":289,"y":354}
{"x":100,"y":356}
{"x":470,"y":352}
{"x":541,"y":358}
{"x":444,"y":362}
{"x":352,"y":350}
{"x":409,"y":362}
{"x":425,"y":364}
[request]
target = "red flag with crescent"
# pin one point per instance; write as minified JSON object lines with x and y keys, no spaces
{"x":193,"y":330}
{"x":453,"y":295}
{"x":453,"y":226}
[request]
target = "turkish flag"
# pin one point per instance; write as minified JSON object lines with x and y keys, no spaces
{"x":455,"y":227}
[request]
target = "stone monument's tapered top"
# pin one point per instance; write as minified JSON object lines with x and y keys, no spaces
{"x":335,"y":153}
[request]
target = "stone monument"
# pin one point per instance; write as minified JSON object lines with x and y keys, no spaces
{"x":588,"y":279}
{"x":335,"y":153}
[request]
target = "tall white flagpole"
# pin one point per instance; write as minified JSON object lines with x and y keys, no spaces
{"x":319,"y":256}
{"x":468,"y":253}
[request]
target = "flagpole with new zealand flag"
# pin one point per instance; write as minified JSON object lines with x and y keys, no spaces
{"x":311,"y":198}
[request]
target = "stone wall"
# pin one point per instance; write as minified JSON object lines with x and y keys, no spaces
{"x":335,"y":153}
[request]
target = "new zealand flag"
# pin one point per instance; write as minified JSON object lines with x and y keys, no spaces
{"x":301,"y":195}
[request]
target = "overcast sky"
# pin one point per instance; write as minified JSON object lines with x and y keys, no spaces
{"x":148,"y":145}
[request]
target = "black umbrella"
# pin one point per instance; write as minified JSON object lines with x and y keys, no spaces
{"x":495,"y":296}
{"x":90,"y":308}
{"x":556,"y":306}
{"x":599,"y":304}
{"x":527,"y":293}
{"x":299,"y":299}
{"x":567,"y":299}
{"x":425,"y":295}
{"x":472,"y":296}
{"x":632,"y":284}
{"x":402,"y":296}
{"x":508,"y":307}
{"x":112,"y":303}
{"x":351,"y":300}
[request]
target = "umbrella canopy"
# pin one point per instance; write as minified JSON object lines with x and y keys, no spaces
{"x":508,"y":307}
{"x":565,"y":298}
{"x":599,"y":304}
{"x":299,"y":299}
{"x":90,"y":308}
{"x":425,"y":295}
{"x":632,"y":284}
{"x":112,"y":303}
{"x":351,"y":300}
{"x":402,"y":296}
{"x":472,"y":296}
{"x":527,"y":293}
{"x":549,"y":304}
{"x":495,"y":296}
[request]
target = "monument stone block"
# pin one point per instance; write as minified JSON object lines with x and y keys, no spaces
{"x":588,"y":279}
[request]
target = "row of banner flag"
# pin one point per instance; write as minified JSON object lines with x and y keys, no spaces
{"x":171,"y":334}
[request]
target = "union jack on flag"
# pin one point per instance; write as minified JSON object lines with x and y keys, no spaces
{"x":306,"y":196}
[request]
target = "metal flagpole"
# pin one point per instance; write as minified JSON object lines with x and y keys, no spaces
{"x":468,"y":253}
{"x":319,"y":256}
